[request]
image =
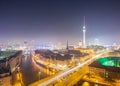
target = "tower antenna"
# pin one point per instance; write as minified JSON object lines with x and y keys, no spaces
{"x":84,"y":31}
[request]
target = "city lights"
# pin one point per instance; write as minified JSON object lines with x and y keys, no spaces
{"x":59,"y":43}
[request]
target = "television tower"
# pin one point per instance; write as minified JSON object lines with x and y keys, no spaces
{"x":84,"y":31}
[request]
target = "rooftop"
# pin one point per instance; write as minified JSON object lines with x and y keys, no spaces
{"x":67,"y":55}
{"x":107,"y":63}
{"x":4,"y":55}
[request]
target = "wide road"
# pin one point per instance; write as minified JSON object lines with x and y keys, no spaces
{"x":69,"y":71}
{"x":72,"y":78}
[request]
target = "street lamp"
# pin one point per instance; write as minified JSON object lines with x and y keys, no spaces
{"x":39,"y":74}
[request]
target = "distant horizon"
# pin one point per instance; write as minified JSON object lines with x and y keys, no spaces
{"x":60,"y":20}
{"x":33,"y":42}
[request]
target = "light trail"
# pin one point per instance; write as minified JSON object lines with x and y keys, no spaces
{"x":69,"y":71}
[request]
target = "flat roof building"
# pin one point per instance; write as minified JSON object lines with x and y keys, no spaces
{"x":107,"y":67}
{"x":9,"y":61}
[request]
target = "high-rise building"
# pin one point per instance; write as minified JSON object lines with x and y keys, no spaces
{"x":84,"y":31}
{"x":67,"y":45}
{"x":96,"y":41}
{"x":80,"y":44}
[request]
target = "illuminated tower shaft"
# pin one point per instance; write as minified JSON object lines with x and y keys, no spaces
{"x":84,"y":31}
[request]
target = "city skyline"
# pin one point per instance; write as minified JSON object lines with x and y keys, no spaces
{"x":59,"y":42}
{"x":58,"y":21}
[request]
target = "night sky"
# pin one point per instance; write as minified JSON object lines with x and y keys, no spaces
{"x":60,"y":20}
